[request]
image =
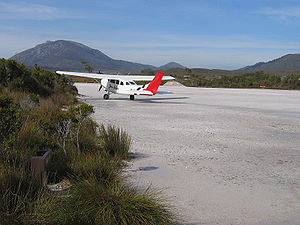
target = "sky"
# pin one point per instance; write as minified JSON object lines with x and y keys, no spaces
{"x":215,"y":34}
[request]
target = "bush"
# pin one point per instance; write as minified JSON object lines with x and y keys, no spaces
{"x":96,"y":166}
{"x":9,"y":117}
{"x":114,"y":141}
{"x":16,"y":196}
{"x":91,"y":202}
{"x":88,"y":140}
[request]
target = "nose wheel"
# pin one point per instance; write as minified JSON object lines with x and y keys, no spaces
{"x":106,"y":96}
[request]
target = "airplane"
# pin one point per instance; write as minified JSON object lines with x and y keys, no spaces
{"x":124,"y":84}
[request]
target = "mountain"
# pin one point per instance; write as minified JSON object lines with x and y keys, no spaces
{"x":69,"y":55}
{"x":170,"y":65}
{"x":284,"y":63}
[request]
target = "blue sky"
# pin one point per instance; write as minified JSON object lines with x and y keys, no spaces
{"x":224,"y":34}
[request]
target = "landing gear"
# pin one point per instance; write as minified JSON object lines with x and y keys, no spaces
{"x":131,"y":97}
{"x":106,"y":96}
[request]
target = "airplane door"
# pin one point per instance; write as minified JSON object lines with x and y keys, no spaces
{"x":121,"y":87}
{"x":113,"y":85}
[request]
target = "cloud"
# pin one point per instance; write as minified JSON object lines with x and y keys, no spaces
{"x":282,"y":13}
{"x":23,"y":10}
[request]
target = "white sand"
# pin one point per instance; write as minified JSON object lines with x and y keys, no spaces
{"x":225,"y":156}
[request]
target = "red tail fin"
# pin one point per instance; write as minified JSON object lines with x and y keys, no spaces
{"x":154,"y":84}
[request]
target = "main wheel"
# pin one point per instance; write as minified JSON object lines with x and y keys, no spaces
{"x":106,"y":96}
{"x":131,"y":97}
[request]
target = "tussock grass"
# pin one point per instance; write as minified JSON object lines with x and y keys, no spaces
{"x":88,"y":140}
{"x":16,"y":196}
{"x":91,"y":202}
{"x":115,"y":141}
{"x":96,"y":166}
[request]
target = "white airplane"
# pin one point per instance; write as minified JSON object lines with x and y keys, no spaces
{"x":124,"y":84}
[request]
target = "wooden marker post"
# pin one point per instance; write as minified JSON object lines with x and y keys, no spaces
{"x":38,"y":166}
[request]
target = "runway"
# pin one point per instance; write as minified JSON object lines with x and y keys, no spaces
{"x":223,"y":156}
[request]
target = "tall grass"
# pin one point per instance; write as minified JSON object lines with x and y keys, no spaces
{"x":115,"y":141}
{"x":96,"y":166}
{"x":91,"y":202}
{"x":17,"y":193}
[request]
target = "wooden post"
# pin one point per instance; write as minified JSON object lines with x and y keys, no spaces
{"x":38,"y":166}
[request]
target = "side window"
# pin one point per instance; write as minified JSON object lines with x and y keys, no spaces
{"x":117,"y":81}
{"x":127,"y":83}
{"x":113,"y":81}
{"x":122,"y":83}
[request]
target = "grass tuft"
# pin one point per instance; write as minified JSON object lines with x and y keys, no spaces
{"x":91,"y":202}
{"x":115,"y":141}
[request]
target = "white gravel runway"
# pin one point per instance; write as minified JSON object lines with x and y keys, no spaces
{"x":224,"y":156}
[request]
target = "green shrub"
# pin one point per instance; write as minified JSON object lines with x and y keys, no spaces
{"x":88,"y":139}
{"x":96,"y":166}
{"x":59,"y":166}
{"x":91,"y":202}
{"x":115,"y":141}
{"x":9,"y":117}
{"x":16,"y":196}
{"x":80,"y":115}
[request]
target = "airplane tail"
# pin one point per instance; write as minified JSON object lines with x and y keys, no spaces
{"x":154,"y":84}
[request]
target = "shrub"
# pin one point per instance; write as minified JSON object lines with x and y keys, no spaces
{"x":96,"y":166}
{"x":16,"y":196}
{"x":88,"y":139}
{"x":91,"y":202}
{"x":9,"y":117}
{"x":59,"y":166}
{"x":80,"y":113}
{"x":115,"y":141}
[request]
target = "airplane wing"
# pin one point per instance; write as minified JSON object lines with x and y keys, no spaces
{"x":109,"y":76}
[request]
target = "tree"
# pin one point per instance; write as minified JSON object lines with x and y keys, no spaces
{"x":63,"y":130}
{"x":81,"y":113}
{"x":87,"y":66}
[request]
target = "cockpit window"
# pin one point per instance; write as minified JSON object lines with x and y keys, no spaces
{"x":113,"y":81}
{"x":122,"y":83}
{"x":127,"y":83}
{"x":131,"y":82}
{"x":117,"y":81}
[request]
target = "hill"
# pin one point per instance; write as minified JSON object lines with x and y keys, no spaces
{"x":290,"y":62}
{"x":69,"y":55}
{"x":201,"y":72}
{"x":170,"y":65}
{"x":285,"y":65}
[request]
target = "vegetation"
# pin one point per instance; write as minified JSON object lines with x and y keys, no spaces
{"x":87,"y":67}
{"x":38,"y":110}
{"x":249,"y":80}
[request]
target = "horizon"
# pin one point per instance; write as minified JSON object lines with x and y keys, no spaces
{"x":197,"y":34}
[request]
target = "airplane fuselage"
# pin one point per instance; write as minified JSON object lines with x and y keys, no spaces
{"x":122,"y":86}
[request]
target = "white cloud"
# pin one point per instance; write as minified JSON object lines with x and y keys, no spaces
{"x":23,"y":10}
{"x":282,"y":13}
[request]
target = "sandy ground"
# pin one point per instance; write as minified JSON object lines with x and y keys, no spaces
{"x":223,"y":156}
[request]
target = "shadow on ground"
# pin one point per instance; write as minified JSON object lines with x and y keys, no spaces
{"x":137,"y":155}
